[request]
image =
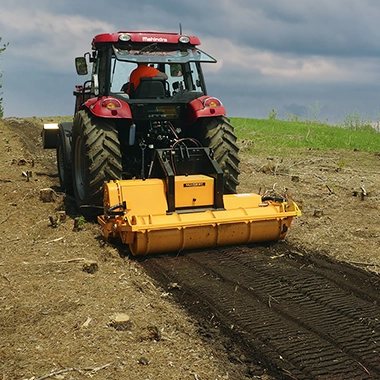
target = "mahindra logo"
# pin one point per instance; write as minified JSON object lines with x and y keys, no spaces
{"x":155,"y":39}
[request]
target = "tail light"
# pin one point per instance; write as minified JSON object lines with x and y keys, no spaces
{"x":110,"y":103}
{"x":212,"y":102}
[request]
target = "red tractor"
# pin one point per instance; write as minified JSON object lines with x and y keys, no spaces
{"x":114,"y":134}
{"x":158,"y":162}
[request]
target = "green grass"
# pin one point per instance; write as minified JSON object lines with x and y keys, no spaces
{"x":56,"y":119}
{"x":273,"y":134}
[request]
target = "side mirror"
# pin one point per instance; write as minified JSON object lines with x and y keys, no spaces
{"x":81,"y":66}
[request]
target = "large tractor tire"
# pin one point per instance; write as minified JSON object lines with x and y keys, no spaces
{"x":96,"y":158}
{"x":64,"y":157}
{"x":218,"y":134}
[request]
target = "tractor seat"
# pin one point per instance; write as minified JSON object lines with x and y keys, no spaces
{"x":150,"y":88}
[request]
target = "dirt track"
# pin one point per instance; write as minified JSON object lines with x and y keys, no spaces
{"x":300,"y":315}
{"x":57,"y":318}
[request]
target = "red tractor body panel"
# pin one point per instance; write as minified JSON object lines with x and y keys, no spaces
{"x":205,"y":106}
{"x":109,"y":107}
{"x":112,"y":108}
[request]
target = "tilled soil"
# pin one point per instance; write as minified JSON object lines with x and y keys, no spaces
{"x":302,"y":316}
{"x":63,"y":290}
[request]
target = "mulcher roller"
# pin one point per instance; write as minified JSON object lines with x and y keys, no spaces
{"x":141,"y":219}
{"x":182,"y":211}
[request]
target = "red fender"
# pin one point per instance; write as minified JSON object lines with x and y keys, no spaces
{"x":205,"y":106}
{"x":109,"y":107}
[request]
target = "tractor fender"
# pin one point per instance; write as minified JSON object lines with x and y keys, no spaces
{"x":108,"y":107}
{"x":204,"y":106}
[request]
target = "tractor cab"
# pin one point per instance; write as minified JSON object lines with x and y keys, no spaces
{"x":113,"y":61}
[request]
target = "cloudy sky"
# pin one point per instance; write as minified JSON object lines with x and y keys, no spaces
{"x":300,"y":57}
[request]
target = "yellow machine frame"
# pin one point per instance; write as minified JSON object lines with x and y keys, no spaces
{"x":151,"y":218}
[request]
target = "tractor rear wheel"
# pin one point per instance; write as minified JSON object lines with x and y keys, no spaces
{"x":218,"y":134}
{"x":96,"y":159}
{"x":64,"y":157}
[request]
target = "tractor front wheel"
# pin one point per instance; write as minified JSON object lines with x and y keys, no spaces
{"x":96,"y":159}
{"x":218,"y":134}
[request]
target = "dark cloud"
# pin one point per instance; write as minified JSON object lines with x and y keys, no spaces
{"x":284,"y":55}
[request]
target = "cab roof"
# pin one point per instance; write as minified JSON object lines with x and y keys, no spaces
{"x":145,"y":37}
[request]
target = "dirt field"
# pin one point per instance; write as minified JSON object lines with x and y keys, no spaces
{"x":61,"y":290}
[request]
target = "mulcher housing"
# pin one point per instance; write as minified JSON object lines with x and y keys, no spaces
{"x":159,"y":163}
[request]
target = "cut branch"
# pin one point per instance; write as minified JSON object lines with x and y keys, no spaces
{"x":90,"y":370}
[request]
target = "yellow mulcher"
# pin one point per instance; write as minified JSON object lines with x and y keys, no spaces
{"x":185,"y":210}
{"x":160,"y":159}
